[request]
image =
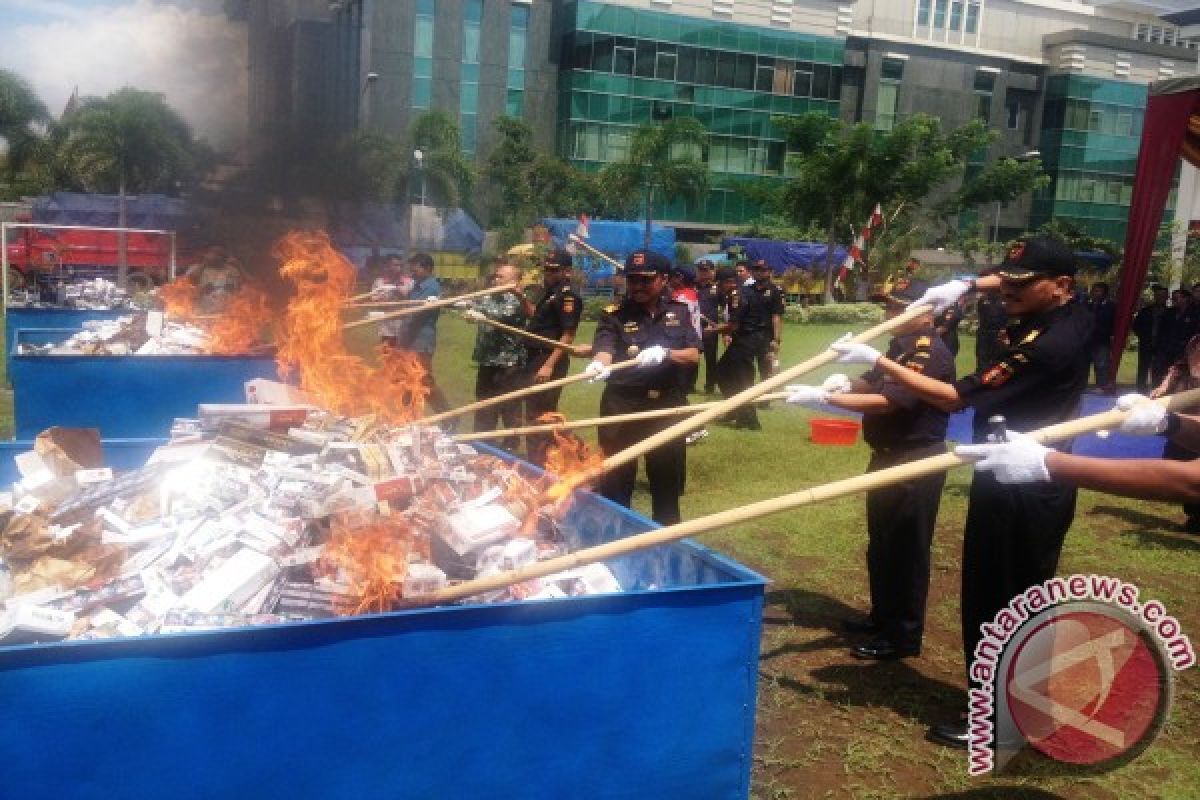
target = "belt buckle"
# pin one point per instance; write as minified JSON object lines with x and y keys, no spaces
{"x":653,"y":394}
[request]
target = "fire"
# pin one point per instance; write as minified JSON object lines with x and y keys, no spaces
{"x":570,"y":459}
{"x":179,"y":298}
{"x":310,"y":340}
{"x":238,"y":328}
{"x":372,"y":553}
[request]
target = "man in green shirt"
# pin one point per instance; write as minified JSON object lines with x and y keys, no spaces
{"x":501,"y":355}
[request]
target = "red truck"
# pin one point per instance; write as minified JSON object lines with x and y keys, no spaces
{"x":49,"y":252}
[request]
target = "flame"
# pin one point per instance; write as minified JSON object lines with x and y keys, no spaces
{"x":179,"y":298}
{"x":569,"y":459}
{"x":310,"y":340}
{"x":238,"y":328}
{"x":373,"y":555}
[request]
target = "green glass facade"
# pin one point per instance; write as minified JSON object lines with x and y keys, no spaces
{"x":1091,"y":129}
{"x":623,"y":67}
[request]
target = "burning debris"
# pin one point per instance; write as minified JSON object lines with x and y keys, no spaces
{"x":260,"y":514}
{"x":97,"y":294}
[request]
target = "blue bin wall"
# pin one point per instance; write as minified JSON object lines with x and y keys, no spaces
{"x":123,"y":454}
{"x":60,"y":318}
{"x":644,"y":694}
{"x":126,"y":397}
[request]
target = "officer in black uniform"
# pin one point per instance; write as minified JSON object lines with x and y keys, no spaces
{"x":659,"y":334}
{"x":899,"y":427}
{"x":555,"y":316}
{"x":709,"y":301}
{"x":993,"y":319}
{"x":773,"y":295}
{"x":752,"y":323}
{"x":1014,"y":534}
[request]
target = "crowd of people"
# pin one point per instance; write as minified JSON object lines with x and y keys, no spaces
{"x":1038,"y":343}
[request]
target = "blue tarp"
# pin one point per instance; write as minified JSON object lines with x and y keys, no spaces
{"x":614,"y":238}
{"x":149,"y":211}
{"x":380,"y":226}
{"x":783,"y":256}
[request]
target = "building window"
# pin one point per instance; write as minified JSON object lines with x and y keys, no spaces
{"x":985,"y":83}
{"x":939,"y":13}
{"x":469,"y":83}
{"x":1013,"y":112}
{"x":664,"y":66}
{"x":923,"y":7}
{"x":973,"y":10}
{"x":890,"y":75}
{"x":518,"y":31}
{"x":956,"y":15}
{"x":623,"y":60}
{"x":423,"y":55}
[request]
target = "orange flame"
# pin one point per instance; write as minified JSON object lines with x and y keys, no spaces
{"x":239,"y":326}
{"x":373,"y":554}
{"x":569,"y":459}
{"x":179,"y":298}
{"x":310,"y":340}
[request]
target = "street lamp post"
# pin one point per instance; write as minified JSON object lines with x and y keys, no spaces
{"x":364,"y":115}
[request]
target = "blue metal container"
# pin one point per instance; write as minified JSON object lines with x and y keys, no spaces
{"x":645,"y":694}
{"x":126,"y":397}
{"x":123,"y":454}
{"x":71,"y":319}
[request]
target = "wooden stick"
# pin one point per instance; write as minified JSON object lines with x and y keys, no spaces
{"x":428,"y":306}
{"x":816,"y":494}
{"x":572,"y":237}
{"x":528,"y":390}
{"x":383,"y":304}
{"x":727,"y":406}
{"x":522,"y":332}
{"x":572,"y":424}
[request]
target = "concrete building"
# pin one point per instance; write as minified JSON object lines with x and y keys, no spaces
{"x":1063,"y":80}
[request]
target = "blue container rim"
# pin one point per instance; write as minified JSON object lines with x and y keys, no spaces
{"x":266,"y":354}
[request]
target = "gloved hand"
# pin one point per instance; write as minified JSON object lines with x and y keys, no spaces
{"x":597,"y":371}
{"x":945,"y":295}
{"x":802,"y":395}
{"x":854,"y":353}
{"x":1022,"y":459}
{"x":652,"y":356}
{"x":431,"y":299}
{"x":473,"y":316}
{"x":837,"y":383}
{"x":462,"y":304}
{"x":1145,"y":418}
{"x":382,"y":292}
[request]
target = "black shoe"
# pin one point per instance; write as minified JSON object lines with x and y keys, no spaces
{"x":883,"y":650}
{"x":859,"y":626}
{"x":951,"y":734}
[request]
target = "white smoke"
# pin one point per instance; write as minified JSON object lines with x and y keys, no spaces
{"x":186,"y":49}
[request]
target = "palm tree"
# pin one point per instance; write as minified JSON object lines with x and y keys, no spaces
{"x":23,"y":120}
{"x":666,"y":156}
{"x":129,"y":141}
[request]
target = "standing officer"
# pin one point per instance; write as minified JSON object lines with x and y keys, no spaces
{"x":752,"y":324}
{"x":709,"y":299}
{"x":657,"y":333}
{"x":900,"y":427}
{"x":555,"y":316}
{"x":1013,"y":536}
{"x":499,"y":354}
{"x":1151,"y":325}
{"x":772,"y":294}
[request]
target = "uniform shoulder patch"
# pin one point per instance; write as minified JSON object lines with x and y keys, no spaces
{"x":1031,"y":337}
{"x":998,"y":374}
{"x":923,"y":341}
{"x":611,"y":308}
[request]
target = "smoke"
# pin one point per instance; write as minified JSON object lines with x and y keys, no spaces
{"x":186,"y":49}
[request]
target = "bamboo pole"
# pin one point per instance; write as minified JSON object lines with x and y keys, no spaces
{"x":428,"y":306}
{"x":483,"y":320}
{"x":724,"y":407}
{"x":572,"y":237}
{"x":572,"y":424}
{"x":816,"y":494}
{"x":383,"y":304}
{"x":528,"y":390}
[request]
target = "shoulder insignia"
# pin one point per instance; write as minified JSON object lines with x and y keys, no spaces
{"x":568,"y":304}
{"x":998,"y":374}
{"x":1031,"y":336}
{"x":611,"y":308}
{"x":923,"y":341}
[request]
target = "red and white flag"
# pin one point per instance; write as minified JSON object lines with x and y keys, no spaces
{"x":581,"y":230}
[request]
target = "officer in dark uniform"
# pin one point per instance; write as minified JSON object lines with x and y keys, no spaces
{"x":710,"y":317}
{"x":946,"y":324}
{"x":1014,"y":535}
{"x":993,"y":319}
{"x":658,"y":333}
{"x":752,"y":313}
{"x":773,"y":295}
{"x":899,"y":427}
{"x":555,"y":316}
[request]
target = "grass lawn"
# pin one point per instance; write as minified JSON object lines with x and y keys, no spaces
{"x":831,"y":726}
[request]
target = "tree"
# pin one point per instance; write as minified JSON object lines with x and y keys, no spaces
{"x":23,"y":125}
{"x":129,"y":141}
{"x":840,"y":171}
{"x":667,"y":157}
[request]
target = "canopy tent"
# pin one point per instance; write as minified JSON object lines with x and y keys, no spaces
{"x":615,"y":238}
{"x":1171,"y":129}
{"x":782,"y":256}
{"x":146,"y":211}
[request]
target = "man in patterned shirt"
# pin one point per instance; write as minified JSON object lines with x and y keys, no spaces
{"x":501,"y":355}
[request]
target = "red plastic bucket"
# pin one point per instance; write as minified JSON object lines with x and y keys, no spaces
{"x":834,"y":431}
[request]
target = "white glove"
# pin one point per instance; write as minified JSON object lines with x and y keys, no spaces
{"x":854,"y":353}
{"x":801,"y":395}
{"x":1145,"y":418}
{"x":943,"y":296}
{"x":1021,"y":459}
{"x":597,"y":371}
{"x":431,"y":299}
{"x":652,"y":356}
{"x":462,"y":304}
{"x":837,"y":383}
{"x":382,"y":292}
{"x":471,"y":315}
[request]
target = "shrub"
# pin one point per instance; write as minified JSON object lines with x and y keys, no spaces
{"x":853,"y":314}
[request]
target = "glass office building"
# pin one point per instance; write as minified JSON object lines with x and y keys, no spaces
{"x":623,"y":67}
{"x":1091,"y":129}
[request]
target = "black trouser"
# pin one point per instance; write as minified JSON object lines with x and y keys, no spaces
{"x":666,"y":466}
{"x":1176,"y":453}
{"x":542,"y":402}
{"x":1014,"y":535}
{"x":900,"y":523}
{"x":735,"y":371}
{"x":493,"y":382}
{"x":1145,"y":360}
{"x":710,"y":340}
